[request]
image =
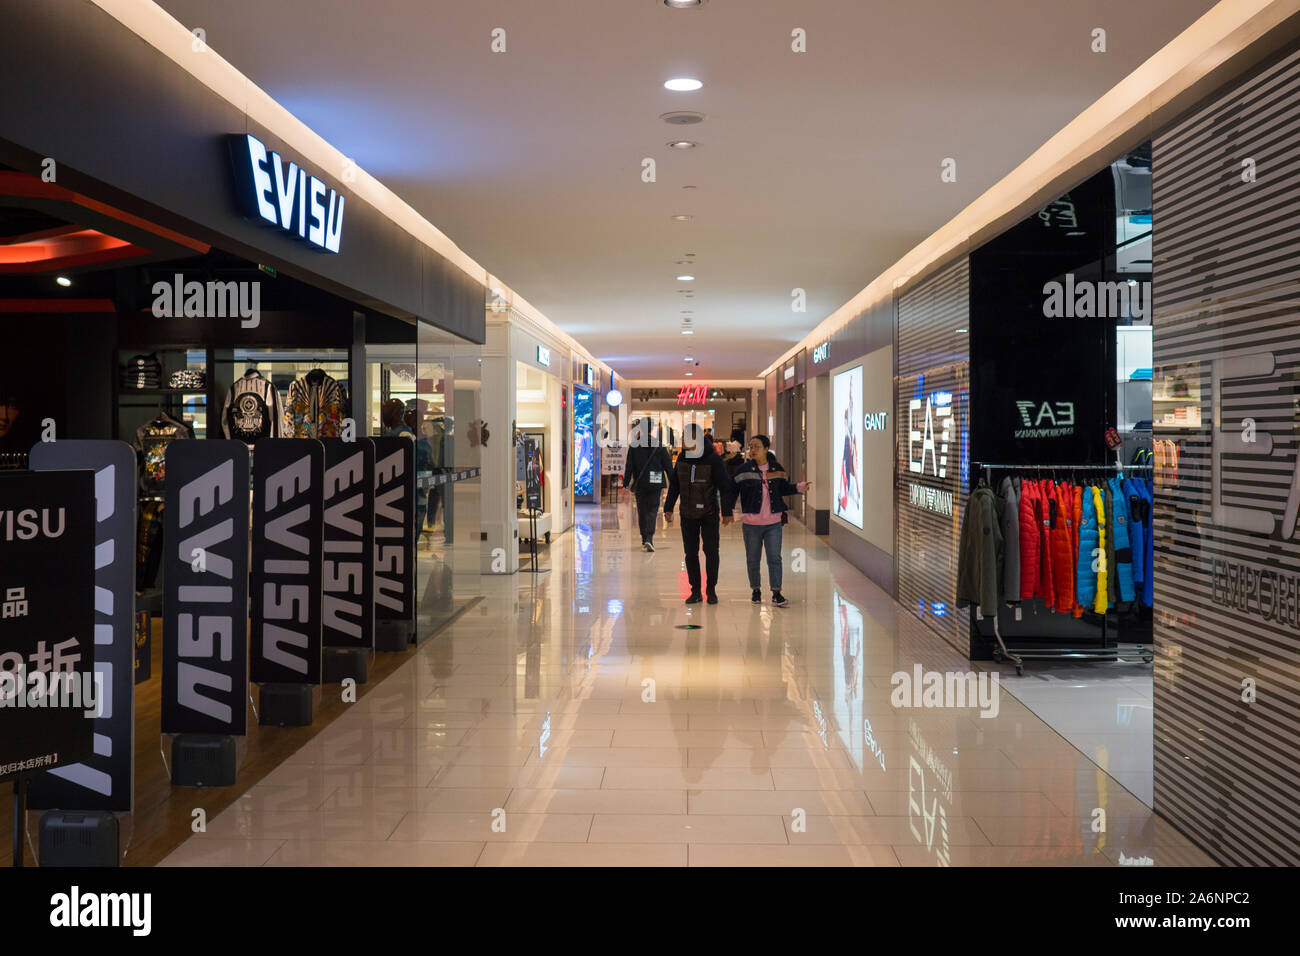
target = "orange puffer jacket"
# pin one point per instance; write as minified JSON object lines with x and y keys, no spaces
{"x":1046,"y":582}
{"x":1029,"y":525}
{"x":1062,"y":547}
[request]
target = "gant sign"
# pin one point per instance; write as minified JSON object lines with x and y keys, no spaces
{"x":286,"y":196}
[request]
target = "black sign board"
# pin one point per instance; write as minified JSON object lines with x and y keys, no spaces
{"x":348,"y":579}
{"x":106,"y":779}
{"x":394,"y":530}
{"x":47,"y":582}
{"x":205,"y":588}
{"x":284,"y":590}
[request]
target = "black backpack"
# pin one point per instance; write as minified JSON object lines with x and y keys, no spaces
{"x":695,"y":479}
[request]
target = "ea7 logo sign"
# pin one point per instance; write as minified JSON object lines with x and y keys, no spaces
{"x":938,"y":413}
{"x":1045,"y":419}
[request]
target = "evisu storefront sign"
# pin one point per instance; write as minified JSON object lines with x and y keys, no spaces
{"x":285,"y":195}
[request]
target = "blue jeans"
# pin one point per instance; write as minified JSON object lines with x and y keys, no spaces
{"x":758,"y":537}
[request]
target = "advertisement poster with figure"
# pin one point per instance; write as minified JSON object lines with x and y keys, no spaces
{"x":583,"y":445}
{"x":847,"y":447}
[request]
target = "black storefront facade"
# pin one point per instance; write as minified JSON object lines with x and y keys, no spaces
{"x":144,"y":299}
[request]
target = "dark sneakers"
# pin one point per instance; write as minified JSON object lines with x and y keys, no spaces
{"x":713,"y":597}
{"x":779,"y":599}
{"x":757,"y":596}
{"x":694,"y":598}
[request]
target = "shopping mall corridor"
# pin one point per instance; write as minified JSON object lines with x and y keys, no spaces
{"x":586,"y":716}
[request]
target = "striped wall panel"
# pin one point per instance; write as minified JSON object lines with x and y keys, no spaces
{"x":932,"y":392}
{"x":1227,"y":585}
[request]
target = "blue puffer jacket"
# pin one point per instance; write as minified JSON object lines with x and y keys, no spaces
{"x":1089,"y":540}
{"x":1123,"y":544}
{"x":1141,"y":507}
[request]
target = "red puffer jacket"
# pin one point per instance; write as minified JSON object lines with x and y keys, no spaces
{"x":1046,"y":587}
{"x":1029,"y":524}
{"x":1062,"y":545}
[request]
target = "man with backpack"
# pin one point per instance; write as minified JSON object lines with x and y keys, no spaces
{"x":700,"y":478}
{"x":647,"y":469}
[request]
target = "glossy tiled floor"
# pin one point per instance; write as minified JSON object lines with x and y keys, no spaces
{"x":574,"y":719}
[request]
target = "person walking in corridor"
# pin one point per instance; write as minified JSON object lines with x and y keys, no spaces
{"x":761,"y":485}
{"x":646,"y":472}
{"x":700,"y":479}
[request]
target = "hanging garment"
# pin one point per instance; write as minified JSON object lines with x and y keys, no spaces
{"x":1076,"y":511}
{"x":1046,"y":509}
{"x":980,"y":554}
{"x":1122,"y":567}
{"x":1102,"y":602}
{"x":1137,"y":533}
{"x":1089,"y":543}
{"x":315,"y":408}
{"x":148,"y":549}
{"x":1062,"y":542}
{"x":252,"y":409}
{"x":1145,"y":489}
{"x":151,"y":441}
{"x":1010,"y":502}
{"x":1112,"y":579}
{"x":1029,"y":525}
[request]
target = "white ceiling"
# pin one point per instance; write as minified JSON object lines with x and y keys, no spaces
{"x":815,"y":170}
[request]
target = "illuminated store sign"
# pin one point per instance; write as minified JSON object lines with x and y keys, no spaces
{"x":543,"y":356}
{"x":821,"y":353}
{"x":875,"y":421}
{"x":693,"y":395}
{"x":937,"y":406}
{"x":931,"y":499}
{"x":286,"y":196}
{"x":789,"y":373}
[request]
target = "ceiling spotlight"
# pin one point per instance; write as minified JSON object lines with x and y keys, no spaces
{"x":684,"y":278}
{"x":684,"y":4}
{"x":688,"y":331}
{"x":682,"y":118}
{"x":683,"y":84}
{"x":690,"y":255}
{"x":690,"y":373}
{"x":682,"y":218}
{"x":682,"y":144}
{"x":63,"y":281}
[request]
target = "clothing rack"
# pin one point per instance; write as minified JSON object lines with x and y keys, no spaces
{"x":1108,"y":650}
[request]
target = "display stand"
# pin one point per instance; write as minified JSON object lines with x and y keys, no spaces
{"x":1109,"y":649}
{"x":532,"y":540}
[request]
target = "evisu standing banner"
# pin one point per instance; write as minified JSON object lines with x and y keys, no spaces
{"x":348,"y":578}
{"x":105,"y":780}
{"x":285,"y":592}
{"x":47,"y":601}
{"x":394,"y":533}
{"x":205,"y":588}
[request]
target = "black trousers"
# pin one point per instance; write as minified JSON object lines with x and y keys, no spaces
{"x":647,"y":512}
{"x":693,"y":529}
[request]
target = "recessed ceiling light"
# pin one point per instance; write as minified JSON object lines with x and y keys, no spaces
{"x":63,"y":281}
{"x":961,"y":330}
{"x":690,"y":373}
{"x":682,"y":144}
{"x":688,"y":359}
{"x":684,"y":4}
{"x":685,"y":278}
{"x":682,"y":118}
{"x":682,"y":218}
{"x":690,"y":187}
{"x":683,"y":84}
{"x":688,"y":331}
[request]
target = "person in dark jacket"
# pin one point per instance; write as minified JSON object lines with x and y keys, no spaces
{"x":699,"y":477}
{"x":646,"y":473}
{"x":761,"y":485}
